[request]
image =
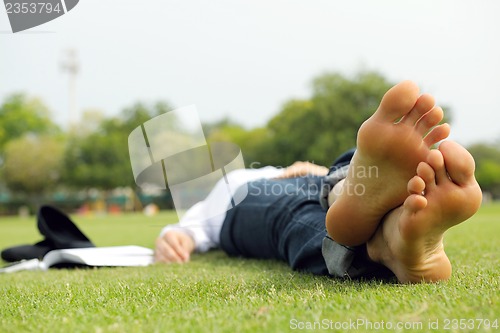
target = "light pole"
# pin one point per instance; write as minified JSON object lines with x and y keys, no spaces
{"x":70,"y":64}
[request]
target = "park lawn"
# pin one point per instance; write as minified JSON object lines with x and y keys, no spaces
{"x":215,"y":293}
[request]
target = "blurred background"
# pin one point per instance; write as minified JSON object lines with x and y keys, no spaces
{"x":285,"y":80}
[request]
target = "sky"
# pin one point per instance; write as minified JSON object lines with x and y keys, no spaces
{"x":243,"y":59}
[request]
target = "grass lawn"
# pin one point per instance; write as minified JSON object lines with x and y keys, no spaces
{"x":214,"y":293}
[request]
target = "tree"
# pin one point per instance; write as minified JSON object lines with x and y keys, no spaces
{"x":229,"y":131}
{"x":100,"y":159}
{"x":90,"y":122}
{"x":20,"y":115}
{"x":33,"y":165}
{"x":487,"y":157}
{"x":97,"y":161}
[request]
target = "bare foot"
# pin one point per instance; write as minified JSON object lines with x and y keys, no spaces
{"x":390,"y":145}
{"x":410,"y":239}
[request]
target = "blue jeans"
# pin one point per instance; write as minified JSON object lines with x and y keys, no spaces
{"x":278,"y":219}
{"x":282,"y":219}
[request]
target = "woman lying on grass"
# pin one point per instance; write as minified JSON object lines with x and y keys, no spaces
{"x":385,"y":215}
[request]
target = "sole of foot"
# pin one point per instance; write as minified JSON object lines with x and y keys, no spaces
{"x":390,"y":145}
{"x":443,"y":194}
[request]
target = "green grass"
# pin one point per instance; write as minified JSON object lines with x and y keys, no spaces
{"x":215,"y":293}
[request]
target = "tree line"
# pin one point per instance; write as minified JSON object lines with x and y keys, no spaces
{"x":38,"y":158}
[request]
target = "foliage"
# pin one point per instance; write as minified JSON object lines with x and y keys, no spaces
{"x":248,"y":140}
{"x":487,"y":157}
{"x":33,"y":164}
{"x":100,"y":158}
{"x":20,"y":115}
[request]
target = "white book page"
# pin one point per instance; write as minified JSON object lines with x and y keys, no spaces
{"x":101,"y":256}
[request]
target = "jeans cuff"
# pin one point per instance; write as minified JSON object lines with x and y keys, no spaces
{"x":351,"y":262}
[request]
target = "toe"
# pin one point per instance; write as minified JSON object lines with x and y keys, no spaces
{"x":422,"y":106}
{"x":398,"y":101}
{"x":427,"y":174}
{"x":415,"y":203}
{"x":436,"y":161}
{"x":416,"y":185}
{"x":437,"y":134}
{"x":459,"y":162}
{"x":429,"y":120}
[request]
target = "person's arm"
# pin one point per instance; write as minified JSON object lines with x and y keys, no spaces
{"x":177,"y":241}
{"x":299,"y":169}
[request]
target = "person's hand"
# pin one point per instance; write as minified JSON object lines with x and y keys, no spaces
{"x":174,"y":246}
{"x":299,"y":169}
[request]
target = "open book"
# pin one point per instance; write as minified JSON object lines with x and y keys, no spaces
{"x":130,"y":255}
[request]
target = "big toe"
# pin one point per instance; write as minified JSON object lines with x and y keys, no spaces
{"x":459,"y":163}
{"x":398,"y":101}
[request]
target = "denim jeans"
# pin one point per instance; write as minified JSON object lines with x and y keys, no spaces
{"x":282,"y":219}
